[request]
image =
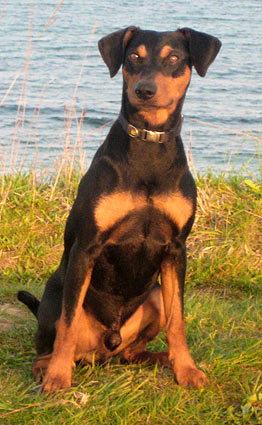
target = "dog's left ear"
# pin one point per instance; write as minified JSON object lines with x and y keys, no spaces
{"x":203,"y":49}
{"x":112,"y":48}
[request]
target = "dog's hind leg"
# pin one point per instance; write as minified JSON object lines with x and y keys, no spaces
{"x":142,"y":327}
{"x":48,"y":314}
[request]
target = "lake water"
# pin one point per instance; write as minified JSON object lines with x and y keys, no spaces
{"x":65,"y":70}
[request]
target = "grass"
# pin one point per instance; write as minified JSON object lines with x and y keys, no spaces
{"x":223,"y":314}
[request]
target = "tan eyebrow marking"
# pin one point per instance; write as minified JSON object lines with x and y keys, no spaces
{"x":141,"y":50}
{"x":165,"y":51}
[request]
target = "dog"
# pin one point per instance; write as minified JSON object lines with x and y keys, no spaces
{"x":122,"y":272}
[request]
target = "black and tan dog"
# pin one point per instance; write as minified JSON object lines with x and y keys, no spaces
{"x":134,"y":210}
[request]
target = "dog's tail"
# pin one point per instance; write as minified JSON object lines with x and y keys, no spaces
{"x":29,"y":300}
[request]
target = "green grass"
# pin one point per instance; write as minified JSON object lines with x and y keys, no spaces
{"x":223,"y":314}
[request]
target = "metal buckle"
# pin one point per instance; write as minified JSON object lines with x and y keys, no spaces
{"x":133,"y":131}
{"x":153,"y":136}
{"x":146,"y":135}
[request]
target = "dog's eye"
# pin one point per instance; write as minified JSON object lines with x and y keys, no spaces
{"x":133,"y":57}
{"x":172,"y":58}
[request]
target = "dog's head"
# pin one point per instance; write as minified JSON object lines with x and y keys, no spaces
{"x":157,"y":66}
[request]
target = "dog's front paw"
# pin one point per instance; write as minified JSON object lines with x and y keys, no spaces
{"x":56,"y":378}
{"x":191,"y":377}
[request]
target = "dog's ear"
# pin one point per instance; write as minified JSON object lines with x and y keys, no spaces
{"x":112,"y":48}
{"x":203,"y":49}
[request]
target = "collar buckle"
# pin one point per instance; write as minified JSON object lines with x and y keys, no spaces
{"x":153,"y":136}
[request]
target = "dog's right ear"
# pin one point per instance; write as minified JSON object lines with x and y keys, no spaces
{"x":112,"y":48}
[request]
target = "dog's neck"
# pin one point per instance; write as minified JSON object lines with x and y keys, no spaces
{"x":134,"y":117}
{"x":149,"y":135}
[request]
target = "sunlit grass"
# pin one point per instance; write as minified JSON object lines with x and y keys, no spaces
{"x":222,"y":305}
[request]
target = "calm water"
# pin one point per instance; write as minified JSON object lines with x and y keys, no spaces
{"x":229,"y":96}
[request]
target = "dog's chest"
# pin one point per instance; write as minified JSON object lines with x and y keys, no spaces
{"x":123,"y":211}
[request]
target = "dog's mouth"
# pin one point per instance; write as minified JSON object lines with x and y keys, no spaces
{"x":154,"y":112}
{"x":152,"y":105}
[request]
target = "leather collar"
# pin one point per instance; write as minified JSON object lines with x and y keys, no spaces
{"x":148,"y":135}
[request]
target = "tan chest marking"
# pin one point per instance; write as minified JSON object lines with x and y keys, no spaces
{"x":116,"y":206}
{"x":176,"y":206}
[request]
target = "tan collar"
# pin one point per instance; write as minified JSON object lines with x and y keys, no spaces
{"x":148,"y":135}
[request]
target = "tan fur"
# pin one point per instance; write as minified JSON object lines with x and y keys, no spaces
{"x":116,"y":206}
{"x":176,"y":206}
{"x":183,"y":365}
{"x":90,"y":332}
{"x":59,"y":371}
{"x":141,"y":50}
{"x":165,"y":51}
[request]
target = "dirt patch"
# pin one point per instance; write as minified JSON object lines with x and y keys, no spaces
{"x":9,"y":313}
{"x":7,"y":260}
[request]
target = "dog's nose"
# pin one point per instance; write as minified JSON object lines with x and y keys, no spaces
{"x":145,"y":90}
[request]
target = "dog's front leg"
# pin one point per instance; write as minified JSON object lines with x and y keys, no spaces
{"x":77,"y":279}
{"x":172,"y":277}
